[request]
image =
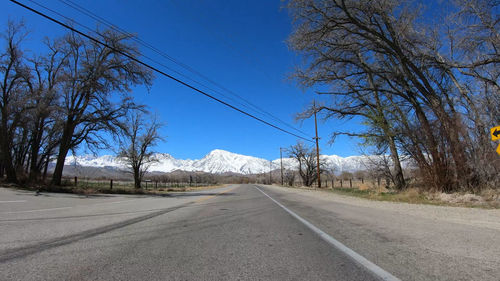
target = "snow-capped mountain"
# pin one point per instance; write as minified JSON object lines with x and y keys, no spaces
{"x":219,"y":161}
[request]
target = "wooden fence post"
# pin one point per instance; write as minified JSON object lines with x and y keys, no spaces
{"x":350,"y":183}
{"x":341,"y":183}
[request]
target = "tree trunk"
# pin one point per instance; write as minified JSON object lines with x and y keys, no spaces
{"x":5,"y":146}
{"x":35,"y":170}
{"x":8,"y":166}
{"x":450,"y":126}
{"x":10,"y":171}
{"x":399,"y":180}
{"x":61,"y":158}
{"x":63,"y":151}
{"x":137,"y":178}
{"x":439,"y":173}
{"x":137,"y":182}
{"x":44,"y":177}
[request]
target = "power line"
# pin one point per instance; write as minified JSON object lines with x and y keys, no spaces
{"x":252,"y":107}
{"x":146,"y":57}
{"x":222,"y":38}
{"x":138,"y":40}
{"x":156,"y":69}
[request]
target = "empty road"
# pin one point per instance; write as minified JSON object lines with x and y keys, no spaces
{"x":239,"y":232}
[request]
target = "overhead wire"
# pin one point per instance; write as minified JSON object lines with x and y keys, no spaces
{"x":149,"y":58}
{"x":156,"y":70}
{"x":250,"y":106}
{"x":145,"y":56}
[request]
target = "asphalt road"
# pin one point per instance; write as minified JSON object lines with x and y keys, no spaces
{"x":242,"y":232}
{"x":412,"y":241}
{"x":232,"y":233}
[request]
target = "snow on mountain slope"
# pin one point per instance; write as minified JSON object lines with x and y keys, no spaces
{"x":219,"y":161}
{"x":92,"y":161}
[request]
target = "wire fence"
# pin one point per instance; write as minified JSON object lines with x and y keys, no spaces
{"x":88,"y":183}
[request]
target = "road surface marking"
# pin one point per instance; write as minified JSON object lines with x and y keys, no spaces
{"x":13,"y":201}
{"x":212,"y":196}
{"x":37,"y":210}
{"x":113,"y":202}
{"x":124,"y":201}
{"x":370,"y":266}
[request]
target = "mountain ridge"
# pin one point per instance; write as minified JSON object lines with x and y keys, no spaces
{"x":218,"y":161}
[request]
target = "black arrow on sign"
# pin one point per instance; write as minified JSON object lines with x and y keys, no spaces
{"x":496,"y":133}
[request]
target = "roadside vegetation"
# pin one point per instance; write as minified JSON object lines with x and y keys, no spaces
{"x":421,"y":77}
{"x":88,"y":186}
{"x":374,"y":184}
{"x":487,"y":198}
{"x":75,"y":93}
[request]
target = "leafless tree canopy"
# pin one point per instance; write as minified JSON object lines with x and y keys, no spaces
{"x":52,"y":103}
{"x":424,"y":90}
{"x":307,"y":162}
{"x":140,"y":136}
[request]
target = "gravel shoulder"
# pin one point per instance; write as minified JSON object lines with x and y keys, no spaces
{"x":489,"y":218}
{"x":412,"y":241}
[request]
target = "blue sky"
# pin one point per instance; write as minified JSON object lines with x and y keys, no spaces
{"x":239,"y":44}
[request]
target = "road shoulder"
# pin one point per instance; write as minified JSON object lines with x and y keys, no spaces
{"x":415,"y":242}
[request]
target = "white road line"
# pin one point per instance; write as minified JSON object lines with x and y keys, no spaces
{"x":61,"y":208}
{"x":13,"y":201}
{"x":113,"y":202}
{"x":36,"y":210}
{"x":370,"y":266}
{"x":124,"y":201}
{"x":102,"y":215}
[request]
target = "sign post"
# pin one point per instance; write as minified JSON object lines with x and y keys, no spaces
{"x":495,"y":135}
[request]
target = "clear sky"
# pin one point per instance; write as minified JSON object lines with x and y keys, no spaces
{"x":239,"y":44}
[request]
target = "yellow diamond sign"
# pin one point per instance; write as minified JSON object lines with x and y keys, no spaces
{"x":498,"y":149}
{"x":495,"y":133}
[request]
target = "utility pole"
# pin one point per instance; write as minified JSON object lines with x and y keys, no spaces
{"x":270,"y":169}
{"x":317,"y":145}
{"x":281,"y":162}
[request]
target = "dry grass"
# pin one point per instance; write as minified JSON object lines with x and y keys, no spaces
{"x":364,"y":187}
{"x":382,"y":194}
{"x":489,"y":198}
{"x":97,"y":188}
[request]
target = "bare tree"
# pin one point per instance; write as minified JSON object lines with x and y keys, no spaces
{"x":12,"y":100}
{"x":384,"y":64}
{"x":140,"y":136}
{"x":307,"y":162}
{"x":360,"y":175}
{"x":44,"y":114}
{"x":93,"y":73}
{"x":473,"y":65}
{"x":346,"y":176}
{"x":289,"y":177}
{"x":52,"y":103}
